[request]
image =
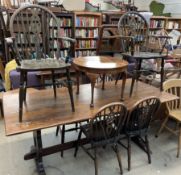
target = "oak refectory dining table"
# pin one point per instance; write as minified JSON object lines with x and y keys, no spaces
{"x":42,"y":111}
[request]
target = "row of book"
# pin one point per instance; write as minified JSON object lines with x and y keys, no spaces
{"x":86,"y":22}
{"x":83,"y":33}
{"x":172,"y":25}
{"x":157,"y":23}
{"x":62,"y":32}
{"x":84,"y":44}
{"x":66,"y":32}
{"x":63,"y":53}
{"x":85,"y":53}
{"x":65,"y":44}
{"x":63,"y":22}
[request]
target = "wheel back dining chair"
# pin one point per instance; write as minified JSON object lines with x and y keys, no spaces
{"x":109,"y":45}
{"x":134,"y":35}
{"x":173,"y":86}
{"x":104,"y":129}
{"x":37,"y":42}
{"x":138,"y":122}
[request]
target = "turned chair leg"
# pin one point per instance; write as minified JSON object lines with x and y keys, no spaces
{"x":69,"y":84}
{"x":57,"y":130}
{"x":1,"y":107}
{"x":95,"y":161}
{"x":54,"y":84}
{"x":129,"y":153}
{"x":119,"y":158}
{"x":179,"y":140}
{"x":77,"y":145}
{"x":162,"y":126}
{"x":62,"y":138}
{"x":117,"y":78}
{"x":103,"y":81}
{"x":148,"y":149}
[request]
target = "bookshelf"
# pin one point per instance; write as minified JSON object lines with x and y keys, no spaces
{"x":86,"y":29}
{"x":166,"y":23}
{"x":66,"y":22}
{"x":157,"y":23}
{"x":173,"y":23}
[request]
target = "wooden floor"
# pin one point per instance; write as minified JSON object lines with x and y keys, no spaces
{"x":43,"y":111}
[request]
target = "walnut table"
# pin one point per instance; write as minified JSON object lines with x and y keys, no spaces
{"x":93,"y":66}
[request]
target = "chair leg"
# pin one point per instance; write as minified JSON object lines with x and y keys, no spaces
{"x":21,"y":95}
{"x":179,"y":140}
{"x":25,"y":87}
{"x":63,"y":138}
{"x":69,"y":84}
{"x":95,"y":161}
{"x":148,"y":149}
{"x":57,"y":130}
{"x":119,"y":158}
{"x":1,"y":107}
{"x":129,"y":153}
{"x":76,"y":126}
{"x":54,"y":85}
{"x":132,"y":85}
{"x":77,"y":145}
{"x":117,"y":78}
{"x":162,"y":126}
{"x":103,"y":81}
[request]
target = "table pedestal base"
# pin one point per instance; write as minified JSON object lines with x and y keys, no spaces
{"x":37,"y":151}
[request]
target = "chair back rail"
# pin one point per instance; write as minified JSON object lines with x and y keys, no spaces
{"x":135,"y":27}
{"x":140,"y":116}
{"x":36,"y":31}
{"x":173,"y":86}
{"x":108,"y":122}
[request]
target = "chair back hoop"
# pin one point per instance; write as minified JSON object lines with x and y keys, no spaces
{"x":173,"y":86}
{"x":108,"y":121}
{"x":134,"y":30}
{"x":159,"y":44}
{"x":141,"y":114}
{"x":35,"y":30}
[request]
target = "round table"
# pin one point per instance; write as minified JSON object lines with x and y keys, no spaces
{"x":93,"y":66}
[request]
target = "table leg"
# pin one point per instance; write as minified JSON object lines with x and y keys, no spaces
{"x":38,"y":146}
{"x":124,"y":76}
{"x":92,"y":78}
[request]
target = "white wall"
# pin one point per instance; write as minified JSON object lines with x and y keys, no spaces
{"x":171,"y":6}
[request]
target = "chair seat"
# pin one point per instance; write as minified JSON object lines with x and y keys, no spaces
{"x":144,"y":55}
{"x":42,"y":64}
{"x":98,"y":133}
{"x":176,"y":114}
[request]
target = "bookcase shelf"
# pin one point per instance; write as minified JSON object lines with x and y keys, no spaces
{"x":66,"y":22}
{"x":89,"y":48}
{"x":167,"y":23}
{"x":86,"y":29}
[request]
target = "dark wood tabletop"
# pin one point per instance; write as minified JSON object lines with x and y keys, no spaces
{"x":43,"y":110}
